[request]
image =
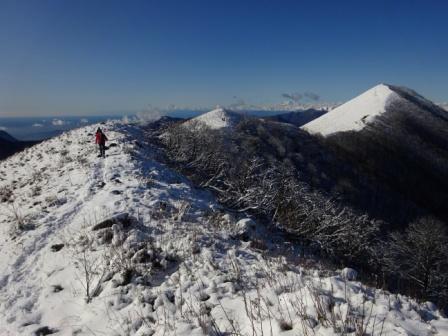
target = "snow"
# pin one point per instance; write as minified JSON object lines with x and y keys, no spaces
{"x":191,"y":274}
{"x":356,"y":113}
{"x":217,"y":119}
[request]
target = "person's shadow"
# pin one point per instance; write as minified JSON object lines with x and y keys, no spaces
{"x":110,"y":146}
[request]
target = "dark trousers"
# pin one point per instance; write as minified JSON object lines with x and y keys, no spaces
{"x":102,"y":147}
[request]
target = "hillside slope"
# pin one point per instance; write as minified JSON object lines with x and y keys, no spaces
{"x":405,"y":147}
{"x":125,"y":246}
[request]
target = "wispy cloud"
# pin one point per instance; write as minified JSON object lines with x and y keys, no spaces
{"x":295,"y":96}
{"x":312,"y":96}
{"x":2,"y":128}
{"x":299,"y":96}
{"x":38,"y":125}
{"x":84,"y":121}
{"x":59,"y":122}
{"x":295,"y":101}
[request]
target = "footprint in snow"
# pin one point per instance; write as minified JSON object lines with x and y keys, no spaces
{"x":42,"y":331}
{"x":56,"y":247}
{"x":57,"y":288}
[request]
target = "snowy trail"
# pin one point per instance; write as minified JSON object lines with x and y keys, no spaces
{"x":191,"y":273}
{"x":30,"y":259}
{"x":53,"y":223}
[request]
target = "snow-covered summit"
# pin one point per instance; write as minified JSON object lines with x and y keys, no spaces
{"x":355,"y":114}
{"x":217,"y":119}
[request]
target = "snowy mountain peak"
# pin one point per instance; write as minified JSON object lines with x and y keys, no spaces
{"x":355,"y":114}
{"x":217,"y":118}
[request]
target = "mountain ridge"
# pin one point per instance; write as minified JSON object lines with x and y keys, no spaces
{"x":157,"y":249}
{"x":405,"y":147}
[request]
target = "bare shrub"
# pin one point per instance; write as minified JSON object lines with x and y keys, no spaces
{"x":20,"y":222}
{"x":90,"y":264}
{"x":420,"y":255}
{"x":92,"y":271}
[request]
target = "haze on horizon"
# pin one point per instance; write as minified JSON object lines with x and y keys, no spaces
{"x":95,"y":57}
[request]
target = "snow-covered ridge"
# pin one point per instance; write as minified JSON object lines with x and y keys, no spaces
{"x":355,"y":114}
{"x":217,"y":119}
{"x":172,"y":263}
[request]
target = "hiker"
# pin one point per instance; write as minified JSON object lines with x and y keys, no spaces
{"x":100,"y":139}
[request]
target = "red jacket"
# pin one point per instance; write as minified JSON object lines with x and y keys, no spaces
{"x":100,"y":138}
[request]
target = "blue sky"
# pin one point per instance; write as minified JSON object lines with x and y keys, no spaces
{"x":83,"y":57}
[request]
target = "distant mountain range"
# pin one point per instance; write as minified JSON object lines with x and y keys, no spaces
{"x":298,"y":118}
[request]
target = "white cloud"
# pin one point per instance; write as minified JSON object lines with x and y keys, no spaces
{"x":84,"y":121}
{"x":3,"y":128}
{"x":146,"y":116}
{"x":58,"y":122}
{"x":128,"y":120}
{"x":149,"y":115}
{"x":38,"y":125}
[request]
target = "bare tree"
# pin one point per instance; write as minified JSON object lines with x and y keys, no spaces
{"x":245,"y":175}
{"x":420,"y":255}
